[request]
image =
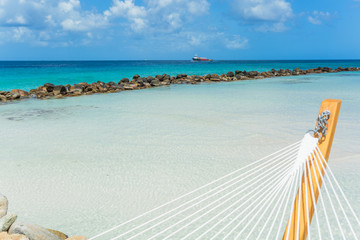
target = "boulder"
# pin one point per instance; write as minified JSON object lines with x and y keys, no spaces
{"x":3,"y":98}
{"x":49,"y":87}
{"x":13,"y":96}
{"x":149,"y":79}
{"x":155,"y":82}
{"x":129,"y":87}
{"x":147,"y":85}
{"x":238,"y":76}
{"x":77,"y":88}
{"x":77,"y":238}
{"x":181,"y":76}
{"x":230,"y":74}
{"x":215,"y":77}
{"x":32,"y":231}
{"x":22,"y":93}
{"x":166,"y":77}
{"x":160,"y":77}
{"x":112,"y":83}
{"x":61,"y":235}
{"x":4,"y":203}
{"x":140,"y":81}
{"x":252,"y":73}
{"x":84,"y":84}
{"x":125,"y":80}
{"x":59,"y":90}
{"x":6,"y":221}
{"x":68,"y":87}
{"x":6,"y":236}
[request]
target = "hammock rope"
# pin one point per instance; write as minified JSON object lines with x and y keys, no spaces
{"x":254,"y":201}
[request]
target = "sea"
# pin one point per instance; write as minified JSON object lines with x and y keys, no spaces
{"x":83,"y":165}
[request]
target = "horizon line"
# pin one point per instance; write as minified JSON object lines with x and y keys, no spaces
{"x":144,"y":60}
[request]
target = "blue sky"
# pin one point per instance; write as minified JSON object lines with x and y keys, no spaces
{"x":177,"y":29}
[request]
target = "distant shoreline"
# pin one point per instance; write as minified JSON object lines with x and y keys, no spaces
{"x":49,"y":90}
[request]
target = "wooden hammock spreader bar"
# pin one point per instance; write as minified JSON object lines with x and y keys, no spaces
{"x":292,"y":231}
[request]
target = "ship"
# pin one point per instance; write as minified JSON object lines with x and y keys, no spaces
{"x":201,"y":59}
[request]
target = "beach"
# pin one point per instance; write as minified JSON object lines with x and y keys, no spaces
{"x":82,"y":165}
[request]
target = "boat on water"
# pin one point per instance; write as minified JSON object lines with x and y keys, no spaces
{"x":201,"y":59}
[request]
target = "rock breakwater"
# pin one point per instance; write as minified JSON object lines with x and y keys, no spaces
{"x":50,"y":90}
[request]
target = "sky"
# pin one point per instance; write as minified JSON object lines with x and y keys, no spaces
{"x":178,"y":29}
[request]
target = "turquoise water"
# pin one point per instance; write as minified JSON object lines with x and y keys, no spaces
{"x":82,"y":165}
{"x":27,"y":75}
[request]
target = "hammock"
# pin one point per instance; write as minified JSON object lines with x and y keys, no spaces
{"x":272,"y":198}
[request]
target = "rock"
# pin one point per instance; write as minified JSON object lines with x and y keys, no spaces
{"x":252,"y":73}
{"x":181,"y":76}
{"x":103,"y":88}
{"x":125,"y":80}
{"x":18,"y":237}
{"x":6,"y":236}
{"x":59,"y":90}
{"x":77,"y":238}
{"x":22,"y":93}
{"x":166,"y":77}
{"x":129,"y":87}
{"x":49,"y":87}
{"x":207,"y":77}
{"x":160,"y":77}
{"x":150,"y":79}
{"x":61,"y":235}
{"x":4,"y":203}
{"x":84,"y":84}
{"x":68,"y":86}
{"x":215,"y":77}
{"x":3,"y":98}
{"x":230,"y":74}
{"x":6,"y":221}
{"x":32,"y":231}
{"x":155,"y":82}
{"x":77,"y":88}
{"x":13,"y":96}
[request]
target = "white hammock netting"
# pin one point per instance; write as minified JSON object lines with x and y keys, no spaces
{"x":254,"y":202}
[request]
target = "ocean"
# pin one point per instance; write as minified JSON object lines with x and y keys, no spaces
{"x":27,"y":75}
{"x":82,"y":165}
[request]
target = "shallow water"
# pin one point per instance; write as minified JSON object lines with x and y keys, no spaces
{"x":82,"y":165}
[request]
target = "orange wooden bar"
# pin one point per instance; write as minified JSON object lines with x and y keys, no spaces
{"x":324,"y":145}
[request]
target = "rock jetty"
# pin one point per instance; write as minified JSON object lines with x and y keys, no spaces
{"x":50,"y":90}
{"x":12,"y":229}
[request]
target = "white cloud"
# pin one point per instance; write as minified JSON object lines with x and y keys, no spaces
{"x":65,"y":22}
{"x":263,"y":10}
{"x":172,"y":15}
{"x":198,"y":7}
{"x":319,"y":17}
{"x":236,"y":42}
{"x":17,"y":20}
{"x":274,"y":27}
{"x":314,"y":20}
{"x":21,"y":33}
{"x":267,"y":15}
{"x":127,"y":9}
{"x":69,"y":6}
